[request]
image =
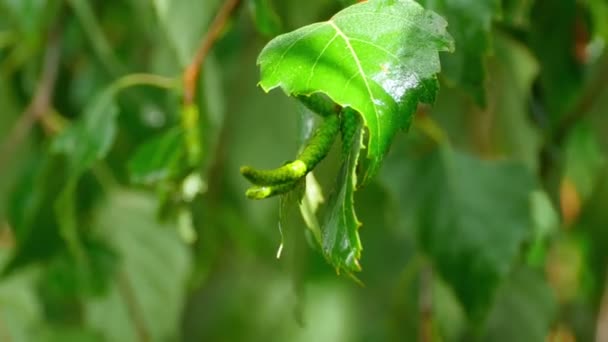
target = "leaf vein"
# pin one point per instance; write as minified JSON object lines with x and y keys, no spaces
{"x":361,"y":71}
{"x":291,"y":46}
{"x":312,"y":70}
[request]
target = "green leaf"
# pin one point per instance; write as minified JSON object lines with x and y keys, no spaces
{"x":517,"y":12}
{"x":20,"y":310}
{"x":32,"y":219}
{"x":526,"y":302}
{"x":471,"y":218}
{"x":86,"y":142}
{"x":546,"y":222}
{"x":185,"y":23}
{"x":598,"y":10}
{"x":66,"y":277}
{"x":379,"y":57}
{"x":148,"y":293}
{"x":156,"y":159}
{"x":340,"y":238}
{"x":265,"y":18}
{"x":470,"y":25}
{"x":584,"y":160}
{"x":513,"y":70}
{"x":90,"y":139}
{"x":561,"y":75}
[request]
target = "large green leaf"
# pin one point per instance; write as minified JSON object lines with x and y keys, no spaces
{"x":379,"y":57}
{"x":147,"y":295}
{"x":525,"y":301}
{"x":470,"y":24}
{"x":471,"y":217}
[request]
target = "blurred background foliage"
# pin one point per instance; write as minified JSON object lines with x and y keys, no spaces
{"x":123,"y":218}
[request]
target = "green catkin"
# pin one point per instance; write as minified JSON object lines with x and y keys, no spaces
{"x":320,"y":104}
{"x":261,"y":192}
{"x":321,"y":142}
{"x":315,"y":150}
{"x":287,"y":173}
{"x":349,"y":126}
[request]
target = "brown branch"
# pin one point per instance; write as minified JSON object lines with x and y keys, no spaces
{"x":193,"y":70}
{"x":40,"y":103}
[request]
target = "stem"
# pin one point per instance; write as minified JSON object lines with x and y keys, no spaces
{"x":193,"y":70}
{"x":152,"y":80}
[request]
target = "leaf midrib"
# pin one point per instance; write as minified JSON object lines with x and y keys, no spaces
{"x":361,"y":72}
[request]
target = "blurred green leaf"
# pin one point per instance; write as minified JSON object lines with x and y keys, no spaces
{"x":20,"y":309}
{"x":184,"y":23}
{"x":157,"y":159}
{"x":447,"y":311}
{"x":513,"y":70}
{"x":517,"y":12}
{"x":32,"y":219}
{"x":470,"y":22}
{"x":30,"y":17}
{"x":66,"y":277}
{"x":84,"y":143}
{"x":148,"y":294}
{"x":584,"y":160}
{"x":366,"y":57}
{"x":555,"y":48}
{"x":471,"y":217}
{"x":598,"y":10}
{"x":265,"y":18}
{"x":89,"y":139}
{"x":546,"y":221}
{"x":524,"y":301}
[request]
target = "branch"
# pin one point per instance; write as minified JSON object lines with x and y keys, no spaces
{"x":193,"y":70}
{"x":40,"y":103}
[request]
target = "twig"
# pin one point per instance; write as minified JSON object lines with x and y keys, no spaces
{"x":133,"y":308}
{"x":40,"y":103}
{"x":193,"y":70}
